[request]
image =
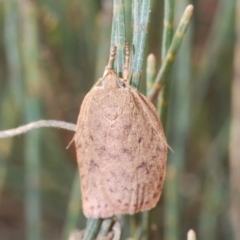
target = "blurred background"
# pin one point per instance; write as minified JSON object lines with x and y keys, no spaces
{"x":51,"y":52}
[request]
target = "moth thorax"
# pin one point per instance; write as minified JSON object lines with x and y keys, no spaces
{"x":111,"y":81}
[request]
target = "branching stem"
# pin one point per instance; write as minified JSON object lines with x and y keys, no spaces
{"x":171,"y":54}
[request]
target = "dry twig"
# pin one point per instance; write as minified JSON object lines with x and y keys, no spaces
{"x":38,"y":124}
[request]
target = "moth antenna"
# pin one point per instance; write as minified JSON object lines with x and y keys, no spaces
{"x":127,"y":61}
{"x":111,"y":60}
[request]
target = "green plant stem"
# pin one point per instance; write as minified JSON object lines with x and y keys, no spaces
{"x":128,"y":17}
{"x":136,"y":9}
{"x":74,"y":208}
{"x":177,"y":131}
{"x":213,"y":197}
{"x":113,"y":32}
{"x":12,"y":39}
{"x":171,"y":54}
{"x":168,"y":26}
{"x":8,"y":119}
{"x":211,"y":55}
{"x":31,"y":75}
{"x":90,"y":7}
{"x":12,"y":98}
{"x":93,"y":226}
{"x":141,"y":12}
{"x":104,"y":26}
{"x":144,"y":233}
{"x":150,"y":72}
{"x":105,"y":227}
{"x":119,"y":35}
{"x":166,"y":43}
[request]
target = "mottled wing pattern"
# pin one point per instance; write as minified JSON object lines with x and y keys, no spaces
{"x":153,"y":152}
{"x":121,"y":151}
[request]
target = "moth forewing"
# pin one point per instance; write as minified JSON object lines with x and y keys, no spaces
{"x":121,"y":150}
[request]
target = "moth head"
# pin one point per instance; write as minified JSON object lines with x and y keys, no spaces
{"x":111,"y":80}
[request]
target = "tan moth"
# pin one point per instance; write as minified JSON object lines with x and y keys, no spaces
{"x":121,"y":148}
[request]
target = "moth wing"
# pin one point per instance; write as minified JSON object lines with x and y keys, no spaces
{"x":148,"y":142}
{"x":155,"y":147}
{"x":121,"y":151}
{"x":90,"y":174}
{"x":136,"y":160}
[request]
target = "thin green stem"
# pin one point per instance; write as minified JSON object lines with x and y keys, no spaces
{"x":93,"y":226}
{"x":211,"y":55}
{"x":168,"y":26}
{"x":128,"y":16}
{"x":213,"y":190}
{"x":114,"y":31}
{"x":177,"y":131}
{"x":30,"y":57}
{"x":171,"y":54}
{"x":104,"y":26}
{"x":136,"y":9}
{"x":10,"y":98}
{"x":145,"y":225}
{"x":8,"y":119}
{"x":166,"y":43}
{"x":105,"y":227}
{"x":74,"y":208}
{"x":90,"y":6}
{"x":12,"y":39}
{"x":119,"y":35}
{"x":150,"y":72}
{"x":141,"y":13}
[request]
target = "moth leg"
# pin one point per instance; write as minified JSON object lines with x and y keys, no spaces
{"x":126,"y":65}
{"x":111,"y":60}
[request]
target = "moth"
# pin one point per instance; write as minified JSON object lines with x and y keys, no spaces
{"x":121,"y":148}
